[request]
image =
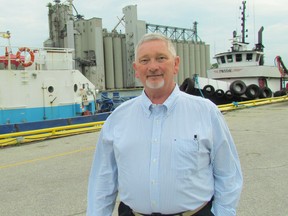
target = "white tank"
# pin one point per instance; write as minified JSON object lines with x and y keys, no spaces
{"x":202,"y":60}
{"x":197,"y":59}
{"x":186,"y":60}
{"x":109,"y":62}
{"x":207,"y":58}
{"x":192,"y":60}
{"x":118,"y":72}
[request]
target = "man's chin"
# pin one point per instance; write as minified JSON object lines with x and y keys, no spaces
{"x":155,"y":85}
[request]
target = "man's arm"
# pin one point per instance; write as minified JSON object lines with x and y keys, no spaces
{"x":102,"y":187}
{"x":228,"y":178}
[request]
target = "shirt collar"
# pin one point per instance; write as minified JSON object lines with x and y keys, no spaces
{"x":169,"y":103}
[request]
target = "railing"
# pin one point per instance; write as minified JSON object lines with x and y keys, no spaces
{"x":12,"y":57}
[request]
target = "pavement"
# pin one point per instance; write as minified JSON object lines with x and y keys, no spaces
{"x":49,"y":178}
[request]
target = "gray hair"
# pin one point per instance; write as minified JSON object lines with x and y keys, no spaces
{"x":156,"y":36}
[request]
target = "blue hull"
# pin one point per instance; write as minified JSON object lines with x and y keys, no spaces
{"x":21,"y":127}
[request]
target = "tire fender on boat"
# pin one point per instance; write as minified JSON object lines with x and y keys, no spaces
{"x":280,"y":93}
{"x":252,"y":91}
{"x":209,"y":90}
{"x":229,"y":94}
{"x":219,"y":93}
{"x":22,"y":61}
{"x":187,"y":86}
{"x":238,"y":87}
{"x":265,"y":93}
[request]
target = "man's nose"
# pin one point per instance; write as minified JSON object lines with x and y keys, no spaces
{"x":153,"y":65}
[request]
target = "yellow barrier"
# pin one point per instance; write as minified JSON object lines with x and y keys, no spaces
{"x":48,"y":133}
{"x":251,"y":103}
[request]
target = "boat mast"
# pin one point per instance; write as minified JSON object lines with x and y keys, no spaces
{"x":243,"y":18}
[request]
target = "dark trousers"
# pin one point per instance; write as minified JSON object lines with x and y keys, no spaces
{"x":124,"y":210}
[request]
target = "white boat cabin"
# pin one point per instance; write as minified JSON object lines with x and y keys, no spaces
{"x":239,"y":56}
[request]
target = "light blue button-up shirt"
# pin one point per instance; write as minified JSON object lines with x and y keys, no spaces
{"x":165,"y":158}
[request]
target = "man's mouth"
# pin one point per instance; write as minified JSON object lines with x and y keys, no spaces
{"x":154,"y":75}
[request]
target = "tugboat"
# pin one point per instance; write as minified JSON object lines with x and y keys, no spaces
{"x":243,"y":71}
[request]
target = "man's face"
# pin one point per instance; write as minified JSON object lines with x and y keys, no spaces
{"x":155,"y":66}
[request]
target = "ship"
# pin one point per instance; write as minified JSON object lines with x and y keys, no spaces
{"x":240,"y":73}
{"x":40,"y":89}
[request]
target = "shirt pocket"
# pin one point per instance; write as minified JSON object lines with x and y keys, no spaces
{"x":185,"y":154}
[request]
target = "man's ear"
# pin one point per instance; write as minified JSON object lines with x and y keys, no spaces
{"x":176,"y":65}
{"x":135,"y":69}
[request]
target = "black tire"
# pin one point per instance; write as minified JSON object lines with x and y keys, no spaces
{"x":188,"y":86}
{"x":219,"y":93}
{"x":280,"y":93}
{"x":229,"y":95}
{"x":209,"y":90}
{"x":238,"y":87}
{"x":265,"y":93}
{"x":252,"y":91}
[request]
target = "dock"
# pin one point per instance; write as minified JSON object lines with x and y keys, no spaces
{"x":50,"y":178}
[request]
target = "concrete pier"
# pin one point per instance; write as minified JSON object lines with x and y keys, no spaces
{"x":50,"y":177}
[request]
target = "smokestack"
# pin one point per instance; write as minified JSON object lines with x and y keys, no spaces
{"x":260,"y":35}
{"x":259,"y":46}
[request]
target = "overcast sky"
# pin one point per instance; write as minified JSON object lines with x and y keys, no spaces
{"x":27,"y":20}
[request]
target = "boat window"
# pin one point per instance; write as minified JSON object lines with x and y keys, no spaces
{"x":238,"y":57}
{"x":51,"y":89}
{"x":229,"y":58}
{"x":223,"y":60}
{"x":75,"y":87}
{"x":249,"y":57}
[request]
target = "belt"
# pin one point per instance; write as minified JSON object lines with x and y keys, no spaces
{"x":186,"y":213}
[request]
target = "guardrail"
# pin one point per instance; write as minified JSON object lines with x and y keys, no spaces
{"x":49,"y":133}
{"x":251,"y":103}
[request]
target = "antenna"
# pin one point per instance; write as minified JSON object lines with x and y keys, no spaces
{"x":243,"y":18}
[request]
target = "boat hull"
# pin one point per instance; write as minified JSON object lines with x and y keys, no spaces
{"x":28,"y":126}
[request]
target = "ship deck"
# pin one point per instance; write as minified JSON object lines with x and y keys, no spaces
{"x":50,"y":177}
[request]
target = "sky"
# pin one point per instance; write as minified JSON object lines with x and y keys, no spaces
{"x":27,"y":20}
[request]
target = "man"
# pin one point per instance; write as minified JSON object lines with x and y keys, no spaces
{"x":164,"y":152}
